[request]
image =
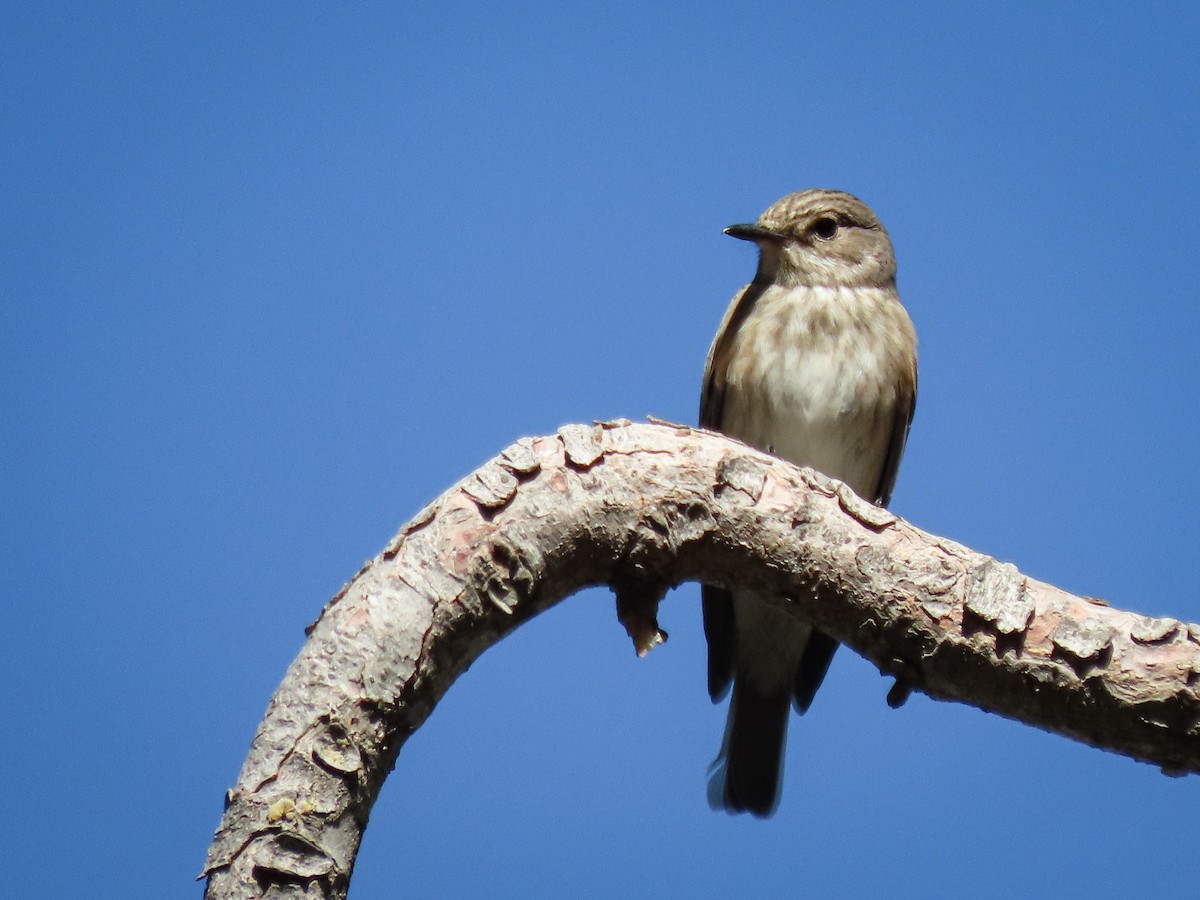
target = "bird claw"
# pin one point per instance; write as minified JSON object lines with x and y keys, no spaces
{"x":899,"y":693}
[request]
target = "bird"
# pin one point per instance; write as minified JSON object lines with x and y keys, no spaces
{"x":814,"y":362}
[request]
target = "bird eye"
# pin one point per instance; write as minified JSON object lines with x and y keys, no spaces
{"x":825,"y":228}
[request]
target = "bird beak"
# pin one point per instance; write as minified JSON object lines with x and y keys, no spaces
{"x":754,"y":233}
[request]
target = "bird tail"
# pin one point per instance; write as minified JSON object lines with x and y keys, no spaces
{"x":747,"y":774}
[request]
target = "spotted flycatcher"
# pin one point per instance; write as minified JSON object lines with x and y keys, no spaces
{"x":815,"y":362}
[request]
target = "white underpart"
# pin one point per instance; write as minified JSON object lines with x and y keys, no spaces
{"x":829,"y":405}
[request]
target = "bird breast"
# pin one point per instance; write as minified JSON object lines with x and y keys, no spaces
{"x":813,"y":378}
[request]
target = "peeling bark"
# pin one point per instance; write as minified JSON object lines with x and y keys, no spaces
{"x":643,"y":508}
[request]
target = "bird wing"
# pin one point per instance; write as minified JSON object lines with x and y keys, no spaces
{"x":906,"y":405}
{"x":717,"y":603}
{"x":712,"y":393}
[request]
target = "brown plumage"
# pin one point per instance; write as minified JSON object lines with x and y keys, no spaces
{"x":815,"y":361}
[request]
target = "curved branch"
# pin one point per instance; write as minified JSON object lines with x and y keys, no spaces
{"x":643,"y":507}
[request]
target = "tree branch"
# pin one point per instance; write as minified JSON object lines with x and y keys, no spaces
{"x":641,"y":508}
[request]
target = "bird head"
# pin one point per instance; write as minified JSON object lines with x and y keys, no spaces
{"x":820,"y":237}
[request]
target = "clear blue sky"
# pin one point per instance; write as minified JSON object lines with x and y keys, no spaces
{"x":273,"y":277}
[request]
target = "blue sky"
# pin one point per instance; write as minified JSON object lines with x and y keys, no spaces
{"x":272,"y":277}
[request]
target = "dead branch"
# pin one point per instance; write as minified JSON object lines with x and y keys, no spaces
{"x":642,"y":508}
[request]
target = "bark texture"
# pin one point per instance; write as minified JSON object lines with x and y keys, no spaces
{"x":642,"y":508}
